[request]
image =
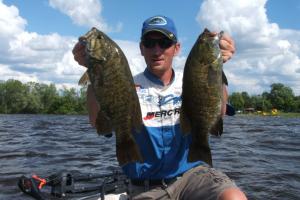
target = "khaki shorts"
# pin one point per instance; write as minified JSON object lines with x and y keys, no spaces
{"x":198,"y":183}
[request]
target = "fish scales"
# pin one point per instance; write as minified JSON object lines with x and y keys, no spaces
{"x":202,"y":95}
{"x":112,"y":82}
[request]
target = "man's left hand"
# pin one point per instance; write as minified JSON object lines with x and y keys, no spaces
{"x":227,"y":47}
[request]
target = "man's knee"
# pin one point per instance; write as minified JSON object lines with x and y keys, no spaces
{"x":232,"y":194}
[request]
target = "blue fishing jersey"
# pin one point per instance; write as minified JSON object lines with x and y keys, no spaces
{"x":162,"y":144}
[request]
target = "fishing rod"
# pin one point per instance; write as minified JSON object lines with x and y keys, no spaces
{"x":65,"y":184}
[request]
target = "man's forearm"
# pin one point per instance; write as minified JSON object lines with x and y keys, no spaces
{"x":92,"y":106}
{"x":224,"y":99}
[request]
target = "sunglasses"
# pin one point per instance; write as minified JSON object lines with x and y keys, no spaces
{"x":163,"y":43}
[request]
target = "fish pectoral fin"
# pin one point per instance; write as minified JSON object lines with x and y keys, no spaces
{"x":217,"y":128}
{"x":185,"y":123}
{"x":128,"y":151}
{"x":84,"y":80}
{"x":103,"y":124}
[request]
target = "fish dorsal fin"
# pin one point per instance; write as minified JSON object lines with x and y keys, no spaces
{"x":217,"y":128}
{"x":84,"y":80}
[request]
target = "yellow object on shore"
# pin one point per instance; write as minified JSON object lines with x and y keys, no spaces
{"x":274,"y":111}
{"x":265,"y":113}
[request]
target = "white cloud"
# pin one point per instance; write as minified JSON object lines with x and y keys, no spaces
{"x":243,"y":19}
{"x":265,"y":53}
{"x":84,"y":13}
{"x":31,"y":48}
{"x":6,"y":72}
{"x":15,"y":24}
{"x":28,"y":56}
{"x":11,"y":24}
{"x":133,"y":55}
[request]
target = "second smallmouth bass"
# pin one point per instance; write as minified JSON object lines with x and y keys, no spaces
{"x":202,"y":95}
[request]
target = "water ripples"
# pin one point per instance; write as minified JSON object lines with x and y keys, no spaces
{"x":262,"y":154}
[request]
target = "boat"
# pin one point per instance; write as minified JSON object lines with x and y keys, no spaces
{"x":72,"y":186}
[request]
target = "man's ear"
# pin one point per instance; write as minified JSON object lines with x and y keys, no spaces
{"x":177,"y":49}
{"x":141,"y":49}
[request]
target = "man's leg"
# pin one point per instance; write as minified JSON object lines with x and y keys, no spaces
{"x":232,"y":194}
{"x":205,"y":183}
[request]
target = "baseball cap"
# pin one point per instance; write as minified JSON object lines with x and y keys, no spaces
{"x":160,"y":24}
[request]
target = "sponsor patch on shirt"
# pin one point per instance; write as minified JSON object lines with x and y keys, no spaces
{"x":162,"y":113}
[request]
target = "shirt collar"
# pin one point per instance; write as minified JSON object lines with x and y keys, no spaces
{"x":149,"y":75}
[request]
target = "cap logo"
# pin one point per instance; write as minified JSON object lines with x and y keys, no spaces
{"x":158,"y":21}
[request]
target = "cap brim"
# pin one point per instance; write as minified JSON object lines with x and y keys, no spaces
{"x":164,"y":32}
{"x":230,"y":111}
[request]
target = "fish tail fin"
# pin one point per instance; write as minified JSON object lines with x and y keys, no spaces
{"x":84,"y":80}
{"x":185,"y":123}
{"x":127,"y":151}
{"x":199,"y":147}
{"x":103,"y":124}
{"x":217,"y":128}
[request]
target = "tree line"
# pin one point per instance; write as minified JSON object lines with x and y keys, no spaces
{"x":38,"y":98}
{"x":280,"y":97}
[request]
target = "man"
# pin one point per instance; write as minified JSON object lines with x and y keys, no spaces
{"x":166,"y":173}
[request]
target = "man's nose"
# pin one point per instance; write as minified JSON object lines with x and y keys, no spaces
{"x":157,"y":49}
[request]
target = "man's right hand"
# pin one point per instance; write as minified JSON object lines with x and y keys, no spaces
{"x":79,"y":53}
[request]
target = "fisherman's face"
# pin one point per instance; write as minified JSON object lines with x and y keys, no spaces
{"x":158,"y":57}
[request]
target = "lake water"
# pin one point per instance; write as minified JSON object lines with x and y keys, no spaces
{"x":262,"y":154}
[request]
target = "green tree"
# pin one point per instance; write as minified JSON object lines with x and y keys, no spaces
{"x":31,"y":97}
{"x":297,"y":104}
{"x":81,"y":101}
{"x":260,"y":102}
{"x":15,"y":96}
{"x":56,"y":105}
{"x":33,"y":101}
{"x":282,"y":97}
{"x":237,"y":101}
{"x":70,"y":100}
{"x":257,"y":101}
{"x":267,"y":105}
{"x":48,"y":96}
{"x":247,"y":100}
{"x":66,"y":103}
{"x":3,"y":104}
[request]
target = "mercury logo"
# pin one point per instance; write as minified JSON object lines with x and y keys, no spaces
{"x":163,"y":113}
{"x":157,"y":21}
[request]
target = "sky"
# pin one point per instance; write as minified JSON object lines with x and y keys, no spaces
{"x":37,"y":37}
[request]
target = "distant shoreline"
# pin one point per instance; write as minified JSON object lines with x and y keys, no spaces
{"x":280,"y":114}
